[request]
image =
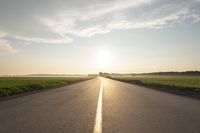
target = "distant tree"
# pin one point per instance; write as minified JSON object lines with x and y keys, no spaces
{"x":100,"y":73}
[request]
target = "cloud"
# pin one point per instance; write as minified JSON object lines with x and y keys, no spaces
{"x":88,"y":21}
{"x":6,"y":48}
{"x":103,"y":18}
{"x":2,"y":34}
{"x":46,"y":40}
{"x":60,"y":22}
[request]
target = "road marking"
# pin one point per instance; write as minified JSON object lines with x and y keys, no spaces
{"x":98,"y":119}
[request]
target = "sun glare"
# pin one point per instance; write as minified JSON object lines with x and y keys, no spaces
{"x":104,"y":58}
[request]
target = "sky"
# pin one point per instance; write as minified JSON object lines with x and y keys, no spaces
{"x":89,"y":36}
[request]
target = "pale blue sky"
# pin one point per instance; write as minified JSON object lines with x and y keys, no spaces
{"x":66,"y":37}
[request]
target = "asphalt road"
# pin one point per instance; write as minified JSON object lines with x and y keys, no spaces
{"x":81,"y":108}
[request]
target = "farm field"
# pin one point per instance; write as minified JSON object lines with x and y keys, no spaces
{"x":15,"y":85}
{"x":182,"y":84}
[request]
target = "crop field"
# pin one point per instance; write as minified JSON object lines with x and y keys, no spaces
{"x":16,"y":85}
{"x":172,"y":81}
{"x":181,"y":83}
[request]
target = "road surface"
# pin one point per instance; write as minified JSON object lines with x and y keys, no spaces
{"x":100,"y":106}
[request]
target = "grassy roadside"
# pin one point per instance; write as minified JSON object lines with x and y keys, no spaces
{"x":181,"y":85}
{"x":15,"y":85}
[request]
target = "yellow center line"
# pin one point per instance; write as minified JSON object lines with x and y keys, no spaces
{"x":98,"y":119}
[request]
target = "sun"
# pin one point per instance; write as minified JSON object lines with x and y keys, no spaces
{"x":104,"y":58}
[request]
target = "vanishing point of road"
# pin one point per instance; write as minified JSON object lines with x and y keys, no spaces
{"x":100,"y":105}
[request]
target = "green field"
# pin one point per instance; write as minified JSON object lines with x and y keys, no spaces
{"x":16,"y":85}
{"x":181,"y":83}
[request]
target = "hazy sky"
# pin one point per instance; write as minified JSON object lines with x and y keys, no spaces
{"x":64,"y":36}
